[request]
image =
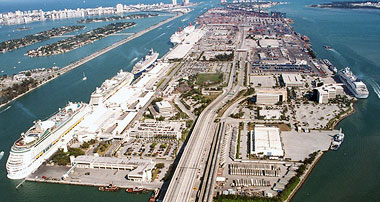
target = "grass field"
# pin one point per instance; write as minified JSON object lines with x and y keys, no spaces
{"x":209,"y":79}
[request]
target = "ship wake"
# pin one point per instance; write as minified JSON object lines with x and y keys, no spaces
{"x":132,"y":61}
{"x":375,"y":86}
{"x":5,"y":109}
{"x":27,"y":111}
{"x":159,"y":36}
{"x":185,"y":19}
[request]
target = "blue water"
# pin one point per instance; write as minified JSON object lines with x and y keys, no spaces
{"x":350,"y":174}
{"x":44,"y":101}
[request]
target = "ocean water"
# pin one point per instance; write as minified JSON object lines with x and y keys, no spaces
{"x":44,"y":101}
{"x":350,"y":174}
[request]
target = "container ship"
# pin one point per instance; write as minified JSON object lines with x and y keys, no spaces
{"x":356,"y":86}
{"x":42,"y":140}
{"x":180,"y":36}
{"x":145,"y":62}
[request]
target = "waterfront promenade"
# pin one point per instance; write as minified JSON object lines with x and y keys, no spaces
{"x":94,"y":55}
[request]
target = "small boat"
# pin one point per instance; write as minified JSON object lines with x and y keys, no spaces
{"x":84,"y":77}
{"x":337,"y":141}
{"x":135,"y":190}
{"x":110,"y":187}
{"x":327,"y":47}
{"x":154,"y":195}
{"x":129,"y":190}
{"x":1,"y":155}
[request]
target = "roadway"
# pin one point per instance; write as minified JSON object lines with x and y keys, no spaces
{"x":187,"y":175}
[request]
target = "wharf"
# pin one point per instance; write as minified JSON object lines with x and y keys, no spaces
{"x":96,"y":54}
{"x":88,"y":177}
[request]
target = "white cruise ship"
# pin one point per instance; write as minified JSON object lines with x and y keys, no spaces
{"x":357,"y":87}
{"x":180,"y":36}
{"x":42,"y":140}
{"x":145,"y":62}
{"x":110,"y":86}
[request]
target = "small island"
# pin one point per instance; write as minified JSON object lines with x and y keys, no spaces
{"x":114,"y":18}
{"x":350,"y":5}
{"x":80,"y":40}
{"x":14,"y":86}
{"x":14,"y":44}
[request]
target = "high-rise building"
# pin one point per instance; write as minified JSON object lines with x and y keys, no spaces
{"x":186,"y":2}
{"x":119,"y":8}
{"x":223,"y":1}
{"x":174,"y":2}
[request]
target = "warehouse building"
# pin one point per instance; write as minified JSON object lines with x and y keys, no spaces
{"x":141,"y":169}
{"x":164,"y":108}
{"x":270,"y":96}
{"x":292,"y":80}
{"x":266,"y":141}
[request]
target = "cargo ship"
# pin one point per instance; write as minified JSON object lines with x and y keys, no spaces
{"x":180,"y":36}
{"x":145,"y":62}
{"x":355,"y":85}
{"x":42,"y":140}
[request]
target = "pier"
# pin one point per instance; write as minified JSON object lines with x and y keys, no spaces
{"x":88,"y":58}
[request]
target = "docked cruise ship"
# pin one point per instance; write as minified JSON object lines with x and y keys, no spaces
{"x":357,"y":87}
{"x":145,"y":62}
{"x":180,"y":36}
{"x":42,"y":140}
{"x":110,"y":86}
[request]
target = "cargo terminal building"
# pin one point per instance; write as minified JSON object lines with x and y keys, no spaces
{"x":266,"y":142}
{"x":140,"y":169}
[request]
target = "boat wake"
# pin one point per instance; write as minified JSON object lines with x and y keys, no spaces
{"x":5,"y":109}
{"x":159,"y":36}
{"x":185,"y":19}
{"x":27,"y":111}
{"x":333,"y":50}
{"x":134,"y":60}
{"x":169,"y":26}
{"x":375,"y":87}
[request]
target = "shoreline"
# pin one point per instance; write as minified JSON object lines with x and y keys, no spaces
{"x":94,"y":55}
{"x":310,"y":168}
{"x":79,"y":183}
{"x":349,"y":113}
{"x":305,"y":176}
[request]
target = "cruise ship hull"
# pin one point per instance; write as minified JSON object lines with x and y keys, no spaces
{"x":351,"y":89}
{"x":145,"y":65}
{"x":22,"y":163}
